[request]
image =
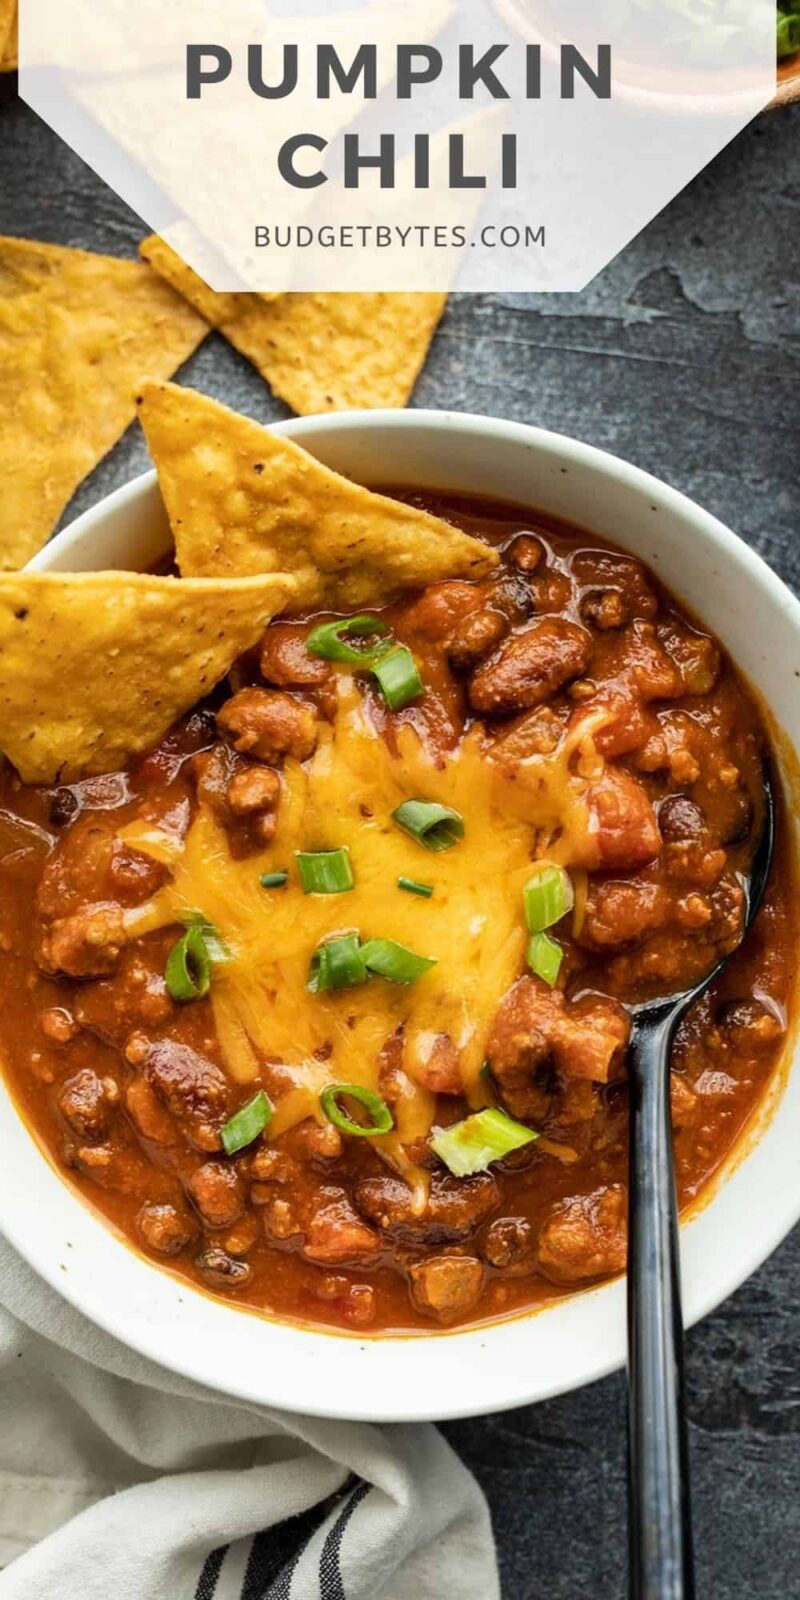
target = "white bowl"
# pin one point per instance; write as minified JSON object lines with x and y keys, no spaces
{"x":576,"y":1340}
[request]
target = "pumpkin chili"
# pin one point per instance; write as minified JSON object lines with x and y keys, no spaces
{"x":327,"y":995}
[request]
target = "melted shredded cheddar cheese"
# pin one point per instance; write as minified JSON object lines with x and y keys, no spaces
{"x":473,"y":926}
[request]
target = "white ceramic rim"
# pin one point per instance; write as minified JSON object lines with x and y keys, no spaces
{"x":468,"y":1373}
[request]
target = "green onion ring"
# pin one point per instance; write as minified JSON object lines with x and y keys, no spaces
{"x":274,"y":880}
{"x":545,"y":957}
{"x":788,"y":40}
{"x":216,"y":948}
{"x":188,"y":970}
{"x":246,"y":1124}
{"x":327,"y":642}
{"x":437,"y":827}
{"x":374,"y":1105}
{"x":385,"y":958}
{"x":398,"y":678}
{"x":472,"y":1145}
{"x":337,"y":964}
{"x":325,"y":871}
{"x":547,"y":896}
{"x":413,"y":886}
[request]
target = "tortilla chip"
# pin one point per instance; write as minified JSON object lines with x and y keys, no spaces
{"x":241,"y":500}
{"x":9,"y":45}
{"x":95,"y":667}
{"x":318,"y":352}
{"x":76,"y":333}
{"x":219,"y":309}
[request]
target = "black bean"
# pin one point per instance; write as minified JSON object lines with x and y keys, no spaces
{"x":64,"y":807}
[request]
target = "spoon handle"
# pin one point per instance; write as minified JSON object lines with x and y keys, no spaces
{"x":660,"y":1537}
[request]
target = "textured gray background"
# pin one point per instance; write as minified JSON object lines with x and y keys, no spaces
{"x":685,"y":357}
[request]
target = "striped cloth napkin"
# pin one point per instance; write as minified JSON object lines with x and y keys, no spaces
{"x":119,"y":1479}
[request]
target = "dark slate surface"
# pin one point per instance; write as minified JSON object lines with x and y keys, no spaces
{"x":683,"y":356}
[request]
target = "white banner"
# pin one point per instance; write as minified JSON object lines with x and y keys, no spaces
{"x":397,"y":144}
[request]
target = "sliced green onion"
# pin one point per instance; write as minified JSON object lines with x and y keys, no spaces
{"x":381,"y":1117}
{"x":545,"y":958}
{"x":788,"y":33}
{"x":189,"y":963}
{"x":246,"y":1124}
{"x":188,"y":971}
{"x":398,"y":677}
{"x":337,"y":964}
{"x":411,"y":886}
{"x":472,"y":1145}
{"x":386,"y":959}
{"x":325,"y":871}
{"x":547,"y":897}
{"x":216,"y":948}
{"x":437,"y":827}
{"x":274,"y":880}
{"x":328,"y":640}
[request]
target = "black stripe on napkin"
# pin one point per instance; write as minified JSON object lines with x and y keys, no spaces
{"x":207,"y":1582}
{"x":331,"y":1586}
{"x":274,"y":1554}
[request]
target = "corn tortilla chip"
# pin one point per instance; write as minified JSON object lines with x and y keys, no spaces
{"x":76,"y":333}
{"x":95,"y":667}
{"x":240,"y":500}
{"x":218,"y":309}
{"x":9,"y":47}
{"x":318,"y":352}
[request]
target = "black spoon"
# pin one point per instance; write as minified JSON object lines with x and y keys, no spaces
{"x":660,"y":1531}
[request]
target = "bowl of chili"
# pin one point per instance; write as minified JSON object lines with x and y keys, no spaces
{"x":621,"y":537}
